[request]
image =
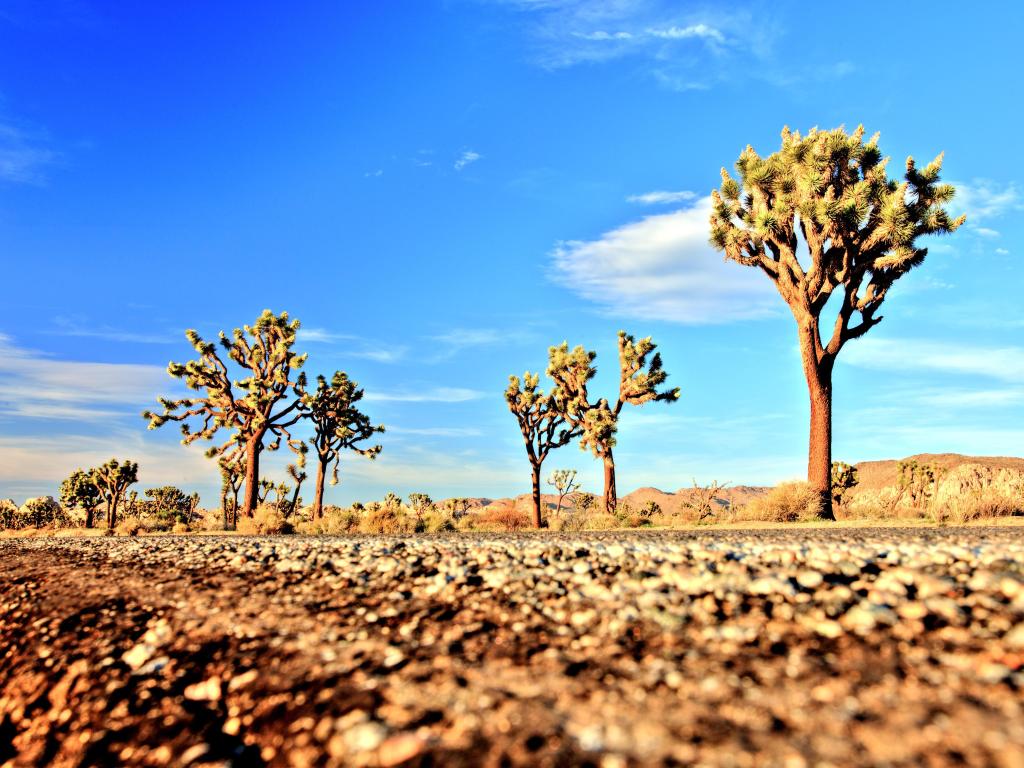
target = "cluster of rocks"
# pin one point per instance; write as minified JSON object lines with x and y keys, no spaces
{"x":808,"y":647}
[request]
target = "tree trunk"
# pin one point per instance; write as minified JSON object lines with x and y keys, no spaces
{"x":252,"y":474}
{"x":318,"y":497}
{"x":89,"y":513}
{"x":611,"y":499}
{"x":538,"y":518}
{"x":819,"y":451}
{"x":295,"y":500}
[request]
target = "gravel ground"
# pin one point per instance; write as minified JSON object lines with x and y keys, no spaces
{"x":801,"y":647}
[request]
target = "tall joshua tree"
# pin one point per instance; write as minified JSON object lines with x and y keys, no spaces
{"x":113,"y":479}
{"x":543,"y":422}
{"x":639,"y":380}
{"x":263,"y":405}
{"x":338,"y":424}
{"x":830,"y":190}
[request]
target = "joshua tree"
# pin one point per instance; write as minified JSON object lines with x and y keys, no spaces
{"x":392,"y":501}
{"x":639,"y":380}
{"x":702,"y":499}
{"x":266,"y":487}
{"x":455,"y":506}
{"x":296,"y":474}
{"x":564,"y":481}
{"x":544,"y":424}
{"x":920,"y":481}
{"x":844,"y":477}
{"x":338,"y":424}
{"x":831,"y":191}
{"x":113,"y":479}
{"x":169,"y":504}
{"x":265,"y":403}
{"x":420,"y":503}
{"x":80,"y":490}
{"x":232,"y":475}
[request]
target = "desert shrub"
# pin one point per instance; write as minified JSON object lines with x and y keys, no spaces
{"x":43,"y":512}
{"x":266,"y":520}
{"x":130,"y":526}
{"x":501,"y":518}
{"x":180,"y":528}
{"x":334,"y":521}
{"x":584,"y":502}
{"x":437,"y":521}
{"x":9,"y":517}
{"x":387,"y":520}
{"x":979,"y":505}
{"x":601,"y":521}
{"x":785,"y":503}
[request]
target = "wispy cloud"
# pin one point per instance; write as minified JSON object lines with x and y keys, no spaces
{"x":663,"y":268}
{"x":458,"y":340}
{"x":33,"y":385}
{"x":925,"y":356}
{"x":429,"y":395}
{"x":984,"y":199}
{"x":80,"y":327}
{"x":661,"y":196}
{"x":435,"y":431}
{"x":466,"y":158}
{"x":374,"y":173}
{"x":356,"y":346}
{"x":23,"y":156}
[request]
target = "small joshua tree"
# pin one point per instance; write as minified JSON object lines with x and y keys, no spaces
{"x":420,"y":503}
{"x":544,"y":424}
{"x":232,"y":475}
{"x":844,"y":478}
{"x":262,"y":405}
{"x":639,"y":379}
{"x":113,"y":479}
{"x":564,"y":481}
{"x":296,"y":474}
{"x":860,"y":228}
{"x":339,"y":425}
{"x":455,"y":506}
{"x":702,"y":499}
{"x":919,"y":481}
{"x":79,"y":490}
{"x":170,"y":504}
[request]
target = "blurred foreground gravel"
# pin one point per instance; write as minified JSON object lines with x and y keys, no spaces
{"x":801,"y":647}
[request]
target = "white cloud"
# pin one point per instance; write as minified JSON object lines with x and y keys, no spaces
{"x":358,"y":347}
{"x":80,"y":327}
{"x":693,"y":30}
{"x":663,"y":268}
{"x":22,"y":158}
{"x":432,"y":395}
{"x":983,"y":199}
{"x":1002,"y":252}
{"x":373,"y":174}
{"x":458,"y":340}
{"x":918,"y":355}
{"x":33,"y":385}
{"x":466,"y":158}
{"x":987,"y":232}
{"x":435,"y":431}
{"x":660,"y":196}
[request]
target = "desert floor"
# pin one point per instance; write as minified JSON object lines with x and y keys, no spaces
{"x":843,"y":646}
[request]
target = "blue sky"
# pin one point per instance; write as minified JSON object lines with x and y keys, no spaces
{"x":441,"y":190}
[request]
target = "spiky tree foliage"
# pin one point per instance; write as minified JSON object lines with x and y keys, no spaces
{"x":392,"y":500}
{"x":79,"y":489}
{"x":169,"y":504}
{"x":262,"y":405}
{"x":338,"y":425}
{"x":266,"y":488}
{"x":41,"y":512}
{"x":830,"y":191}
{"x":563,"y":481}
{"x":545,"y":426}
{"x":844,"y":478}
{"x":9,"y":517}
{"x":919,"y":481}
{"x":113,"y":479}
{"x":640,"y":376}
